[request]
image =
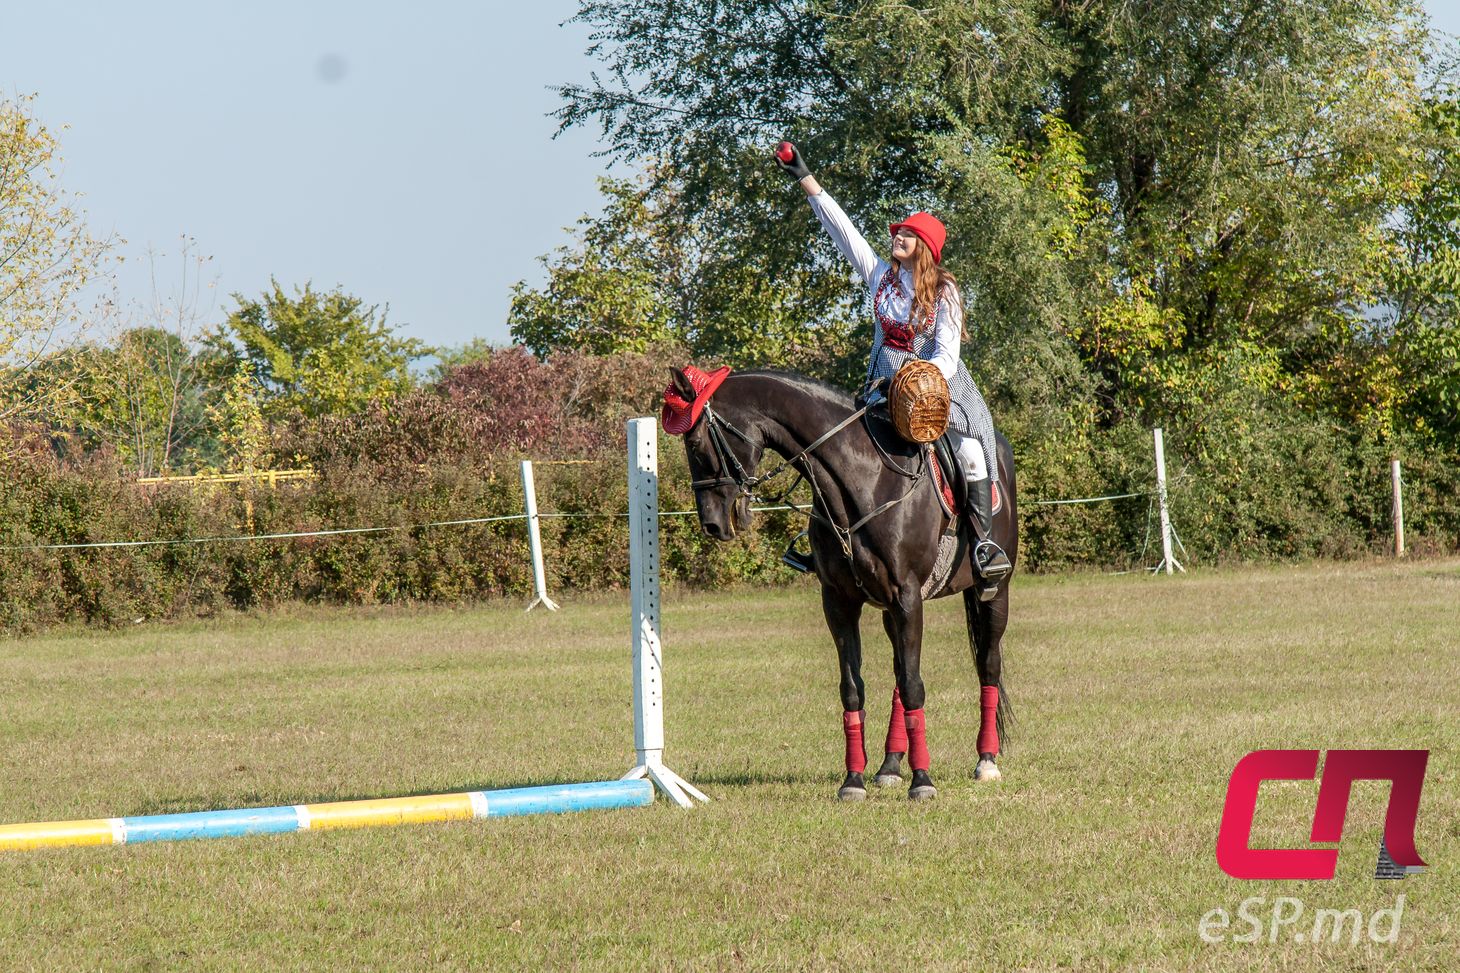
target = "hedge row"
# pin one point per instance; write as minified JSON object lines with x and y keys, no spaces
{"x":1300,"y":500}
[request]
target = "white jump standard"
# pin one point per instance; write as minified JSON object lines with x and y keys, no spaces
{"x":644,"y":602}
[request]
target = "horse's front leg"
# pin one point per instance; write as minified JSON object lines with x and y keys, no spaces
{"x":906,"y":615}
{"x":895,"y":747}
{"x":843,"y":613}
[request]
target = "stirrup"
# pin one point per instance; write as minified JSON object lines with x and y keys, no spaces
{"x":991,"y":562}
{"x":805,"y":563}
{"x":992,"y":566}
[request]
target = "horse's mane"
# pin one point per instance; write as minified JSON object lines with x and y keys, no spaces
{"x":805,"y":383}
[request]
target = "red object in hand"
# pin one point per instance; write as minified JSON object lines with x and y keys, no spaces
{"x":785,"y":152}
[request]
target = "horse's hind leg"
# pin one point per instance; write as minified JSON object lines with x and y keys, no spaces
{"x":890,"y":773}
{"x":907,"y":646}
{"x":986,"y":623}
{"x":842,"y":616}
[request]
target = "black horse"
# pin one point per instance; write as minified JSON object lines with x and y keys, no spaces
{"x":876,"y":529}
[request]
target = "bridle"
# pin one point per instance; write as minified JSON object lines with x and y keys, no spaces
{"x":733,"y":473}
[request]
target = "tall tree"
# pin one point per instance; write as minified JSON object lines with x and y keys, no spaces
{"x":1411,"y":378}
{"x":1176,"y":190}
{"x":144,"y":395}
{"x":646,"y":273}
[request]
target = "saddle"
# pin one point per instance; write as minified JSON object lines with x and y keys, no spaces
{"x":952,"y":483}
{"x":942,"y":457}
{"x":948,"y":476}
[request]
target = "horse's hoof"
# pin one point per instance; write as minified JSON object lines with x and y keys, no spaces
{"x":852,"y":794}
{"x":890,"y":773}
{"x":888,"y":780}
{"x":987,"y":770}
{"x":922,"y":788}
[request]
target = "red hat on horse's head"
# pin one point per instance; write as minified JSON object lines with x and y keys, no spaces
{"x":679,"y":414}
{"x":929,"y":229}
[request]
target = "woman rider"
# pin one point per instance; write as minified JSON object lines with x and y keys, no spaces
{"x":917,"y":313}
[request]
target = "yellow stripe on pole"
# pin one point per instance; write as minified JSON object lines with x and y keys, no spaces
{"x":55,"y":834}
{"x":394,"y":810}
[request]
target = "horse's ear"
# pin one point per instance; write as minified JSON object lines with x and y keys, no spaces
{"x":682,"y":384}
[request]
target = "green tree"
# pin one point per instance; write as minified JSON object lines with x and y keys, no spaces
{"x":614,"y":291}
{"x":243,"y":435}
{"x":1234,"y":163}
{"x":46,"y":258}
{"x":1418,"y":370}
{"x":145,"y":395}
{"x":317,"y":354}
{"x":454,"y":356}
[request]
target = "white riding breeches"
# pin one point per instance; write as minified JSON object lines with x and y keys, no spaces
{"x":971,"y":455}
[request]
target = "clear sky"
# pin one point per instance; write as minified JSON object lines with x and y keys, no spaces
{"x":403,"y":153}
{"x":400,"y":151}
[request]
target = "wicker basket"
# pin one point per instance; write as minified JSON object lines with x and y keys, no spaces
{"x":918,"y":401}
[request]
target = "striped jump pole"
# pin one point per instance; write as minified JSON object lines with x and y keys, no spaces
{"x":552,"y":799}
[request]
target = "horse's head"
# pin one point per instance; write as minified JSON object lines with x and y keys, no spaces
{"x":722,"y":456}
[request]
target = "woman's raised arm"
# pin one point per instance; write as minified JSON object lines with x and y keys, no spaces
{"x":847,"y":238}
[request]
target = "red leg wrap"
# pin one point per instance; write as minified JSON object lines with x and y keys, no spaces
{"x":897,"y":726}
{"x":856,"y":749}
{"x":988,"y":726}
{"x":917,"y":740}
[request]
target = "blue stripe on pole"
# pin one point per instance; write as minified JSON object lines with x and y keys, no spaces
{"x":210,"y":824}
{"x":557,"y":798}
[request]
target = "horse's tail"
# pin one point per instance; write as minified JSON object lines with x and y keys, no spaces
{"x":1004,"y":715}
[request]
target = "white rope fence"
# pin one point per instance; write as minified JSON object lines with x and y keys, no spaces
{"x":532,"y":515}
{"x":1113,"y":496}
{"x":225,"y":538}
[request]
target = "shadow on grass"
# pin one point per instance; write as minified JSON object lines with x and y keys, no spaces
{"x":750,"y":778}
{"x":194,"y":803}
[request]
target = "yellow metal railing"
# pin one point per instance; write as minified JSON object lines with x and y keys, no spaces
{"x":271,"y":477}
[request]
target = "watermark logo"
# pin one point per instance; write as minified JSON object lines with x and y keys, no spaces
{"x":1404,"y":769}
{"x":1254,"y":922}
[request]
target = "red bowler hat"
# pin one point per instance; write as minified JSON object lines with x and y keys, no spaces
{"x":929,"y":229}
{"x":678,"y":416}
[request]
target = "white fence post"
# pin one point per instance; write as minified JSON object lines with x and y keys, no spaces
{"x":644,"y":607}
{"x":1398,"y":485}
{"x":534,"y":536}
{"x":1168,"y":559}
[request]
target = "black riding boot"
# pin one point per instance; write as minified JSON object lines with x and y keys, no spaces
{"x":988,"y":557}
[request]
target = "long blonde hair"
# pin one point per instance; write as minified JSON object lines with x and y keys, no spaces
{"x":930,"y":282}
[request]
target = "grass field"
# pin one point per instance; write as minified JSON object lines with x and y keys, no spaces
{"x":1135,"y":697}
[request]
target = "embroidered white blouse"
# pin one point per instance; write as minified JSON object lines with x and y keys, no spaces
{"x":896,"y":302}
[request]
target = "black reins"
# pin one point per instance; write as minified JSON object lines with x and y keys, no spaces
{"x":744,"y":482}
{"x":732,"y":472}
